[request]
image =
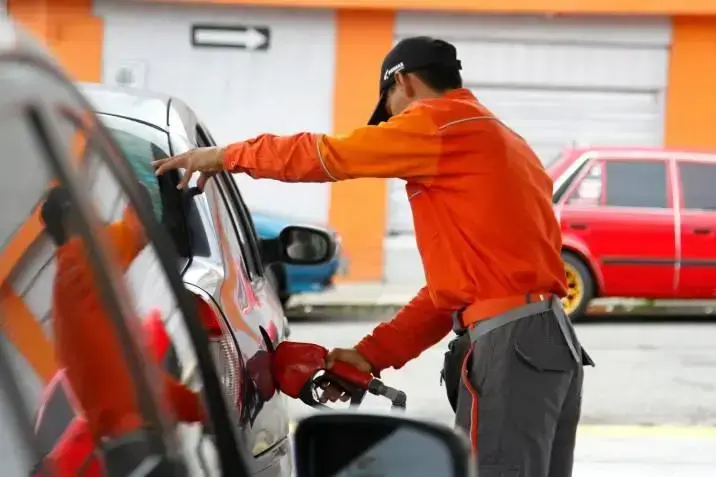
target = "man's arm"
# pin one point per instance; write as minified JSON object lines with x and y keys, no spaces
{"x":406,"y":146}
{"x":416,"y":327}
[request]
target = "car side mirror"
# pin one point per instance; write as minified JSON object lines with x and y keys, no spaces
{"x":341,"y":444}
{"x":299,"y":245}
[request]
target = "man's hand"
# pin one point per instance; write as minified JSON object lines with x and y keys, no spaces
{"x":351,"y":356}
{"x":206,"y":160}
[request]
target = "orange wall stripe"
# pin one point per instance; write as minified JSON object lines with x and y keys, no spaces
{"x":25,"y":332}
{"x":69,"y":29}
{"x":691,"y":91}
{"x":358,"y":207}
{"x":621,"y":7}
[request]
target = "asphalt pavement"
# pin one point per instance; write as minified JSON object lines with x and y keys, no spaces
{"x":649,"y":404}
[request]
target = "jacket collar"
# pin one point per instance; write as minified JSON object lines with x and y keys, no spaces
{"x":460,"y":93}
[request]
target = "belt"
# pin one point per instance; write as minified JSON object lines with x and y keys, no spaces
{"x":553,"y":304}
{"x":484,"y":309}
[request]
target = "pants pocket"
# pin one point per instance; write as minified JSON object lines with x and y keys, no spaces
{"x":548,"y":358}
{"x":540,"y":344}
{"x":543,"y":369}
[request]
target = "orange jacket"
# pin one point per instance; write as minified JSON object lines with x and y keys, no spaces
{"x":87,"y":342}
{"x":481,"y":202}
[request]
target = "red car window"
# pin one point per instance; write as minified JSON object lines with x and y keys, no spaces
{"x":588,"y":190}
{"x":621,"y":183}
{"x":698,"y":182}
{"x":639,"y":183}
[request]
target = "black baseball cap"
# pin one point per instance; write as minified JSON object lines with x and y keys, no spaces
{"x":411,"y":54}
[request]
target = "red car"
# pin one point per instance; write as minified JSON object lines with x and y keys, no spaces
{"x":636,"y":223}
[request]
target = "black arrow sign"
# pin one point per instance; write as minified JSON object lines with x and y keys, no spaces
{"x":250,"y":38}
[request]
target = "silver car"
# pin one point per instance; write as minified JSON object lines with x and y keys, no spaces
{"x":220,"y":258}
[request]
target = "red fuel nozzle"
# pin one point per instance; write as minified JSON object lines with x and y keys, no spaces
{"x":296,"y":368}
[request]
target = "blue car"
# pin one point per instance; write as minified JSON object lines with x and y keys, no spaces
{"x":290,"y":280}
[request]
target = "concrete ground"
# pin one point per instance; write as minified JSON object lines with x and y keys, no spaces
{"x":649,"y":404}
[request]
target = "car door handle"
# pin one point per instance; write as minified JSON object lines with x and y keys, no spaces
{"x":702,"y":231}
{"x":578,"y":226}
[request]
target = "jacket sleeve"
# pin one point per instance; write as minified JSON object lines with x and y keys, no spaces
{"x":126,"y":237}
{"x":407,"y":146}
{"x":415,"y":328}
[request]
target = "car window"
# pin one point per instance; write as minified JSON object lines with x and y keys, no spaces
{"x":588,"y":192}
{"x":698,"y":182}
{"x":141,"y":144}
{"x":60,"y":321}
{"x":152,"y":299}
{"x":244,"y":225}
{"x":204,"y":136}
{"x":636,"y":184}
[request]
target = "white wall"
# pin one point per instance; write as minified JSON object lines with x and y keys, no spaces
{"x":239,"y":94}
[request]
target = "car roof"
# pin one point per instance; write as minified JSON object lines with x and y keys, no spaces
{"x":142,"y":105}
{"x":570,"y":155}
{"x":578,"y":151}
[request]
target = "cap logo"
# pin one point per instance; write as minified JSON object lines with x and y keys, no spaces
{"x":392,"y":70}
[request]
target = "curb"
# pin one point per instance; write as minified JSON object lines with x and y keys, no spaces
{"x":622,"y":432}
{"x":606,"y":306}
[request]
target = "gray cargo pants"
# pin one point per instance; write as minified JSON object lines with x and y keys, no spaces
{"x":521,"y":392}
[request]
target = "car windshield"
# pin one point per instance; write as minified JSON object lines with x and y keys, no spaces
{"x":563,"y":174}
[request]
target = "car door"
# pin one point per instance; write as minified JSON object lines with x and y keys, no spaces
{"x":270,"y":425}
{"x":268,"y":306}
{"x":246,"y":298}
{"x":274,"y":320}
{"x":697,"y":217}
{"x":268,"y":299}
{"x":620,"y":210}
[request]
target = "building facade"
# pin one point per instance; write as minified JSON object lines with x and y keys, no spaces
{"x":560,"y":72}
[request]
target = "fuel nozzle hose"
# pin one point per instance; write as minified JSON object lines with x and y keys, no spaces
{"x":297,"y":369}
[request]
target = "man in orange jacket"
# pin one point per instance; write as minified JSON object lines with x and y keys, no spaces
{"x":489,"y":242}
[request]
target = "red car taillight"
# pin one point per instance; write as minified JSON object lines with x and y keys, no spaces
{"x":223,"y":348}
